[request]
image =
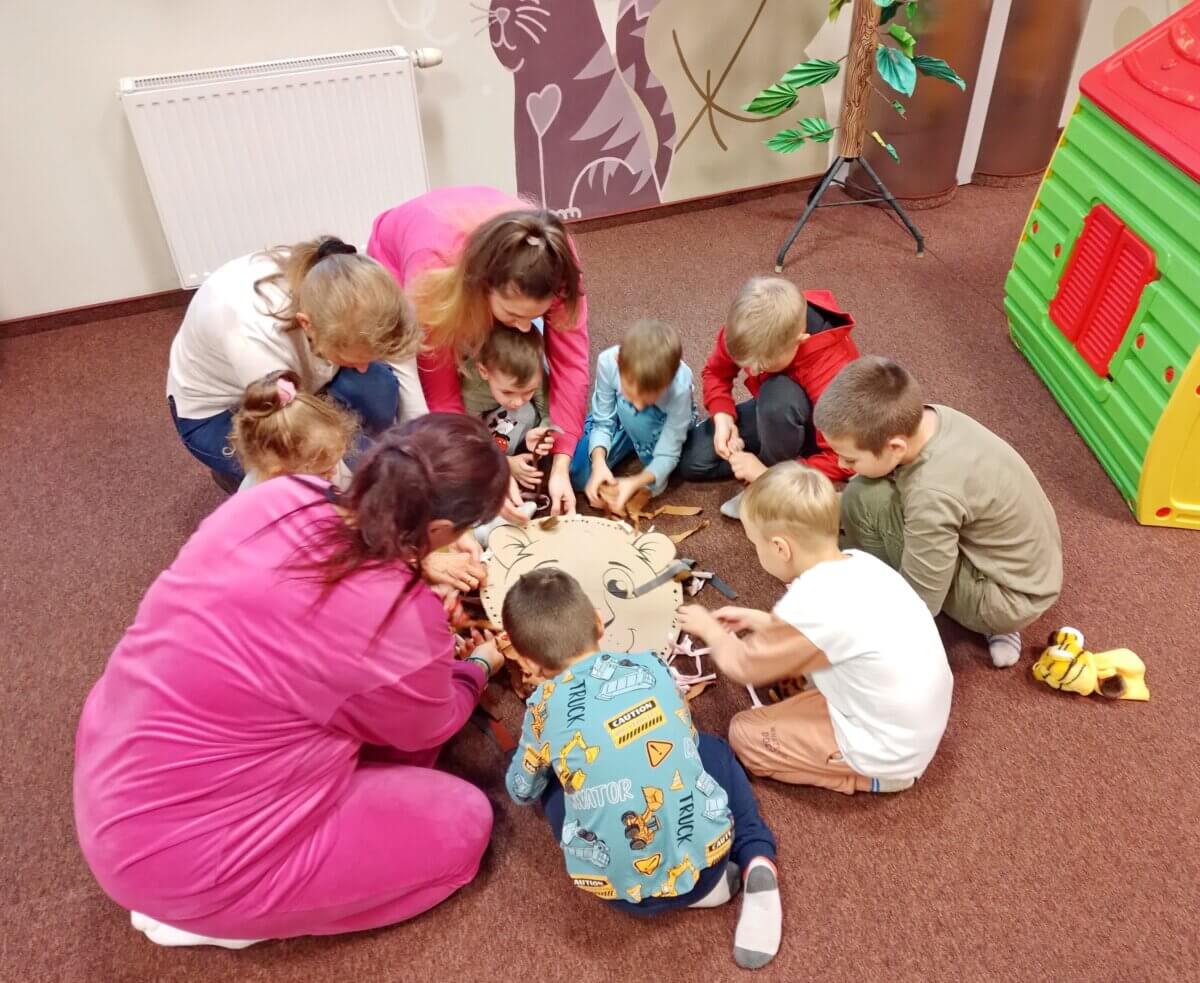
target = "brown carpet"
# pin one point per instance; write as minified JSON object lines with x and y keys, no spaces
{"x":1053,"y":837}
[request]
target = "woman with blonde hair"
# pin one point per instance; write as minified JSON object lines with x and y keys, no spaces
{"x":319,"y":309}
{"x":471,"y":258}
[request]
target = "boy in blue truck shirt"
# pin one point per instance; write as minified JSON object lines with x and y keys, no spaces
{"x":647,"y":812}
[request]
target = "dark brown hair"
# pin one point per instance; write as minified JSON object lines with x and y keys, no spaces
{"x":649,"y":355}
{"x":515,"y":353}
{"x":871,"y":400}
{"x":438,"y":466}
{"x":549,"y":618}
{"x":525,"y":250}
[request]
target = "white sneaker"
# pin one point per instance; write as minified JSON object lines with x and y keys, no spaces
{"x":733,"y":508}
{"x":165,"y":935}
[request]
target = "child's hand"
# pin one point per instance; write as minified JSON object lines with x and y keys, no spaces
{"x":726,"y":440}
{"x":699,"y":621}
{"x":746,"y":467}
{"x":737,"y":619}
{"x":511,"y":509}
{"x":482,"y":645}
{"x":540,"y":440}
{"x":451,"y":604}
{"x":619,"y":491}
{"x":456,"y":570}
{"x":522,"y":468}
{"x":601,"y":475}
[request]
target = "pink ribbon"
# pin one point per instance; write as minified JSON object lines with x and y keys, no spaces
{"x":286,"y":389}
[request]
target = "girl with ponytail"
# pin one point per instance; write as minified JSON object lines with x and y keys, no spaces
{"x":318,"y":309}
{"x":257,"y":760}
{"x":471,"y":258}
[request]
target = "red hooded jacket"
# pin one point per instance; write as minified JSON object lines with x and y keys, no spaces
{"x":818,"y":360}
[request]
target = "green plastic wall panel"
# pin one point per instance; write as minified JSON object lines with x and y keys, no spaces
{"x":1099,"y":161}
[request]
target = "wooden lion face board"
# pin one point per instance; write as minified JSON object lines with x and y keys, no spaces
{"x":609,"y":559}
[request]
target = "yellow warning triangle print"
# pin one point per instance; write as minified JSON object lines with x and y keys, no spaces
{"x":676,"y":782}
{"x":656,"y":751}
{"x":648,"y":865}
{"x":567,"y":677}
{"x":635,"y":892}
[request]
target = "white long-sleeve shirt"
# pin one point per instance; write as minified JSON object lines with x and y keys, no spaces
{"x":229,"y":338}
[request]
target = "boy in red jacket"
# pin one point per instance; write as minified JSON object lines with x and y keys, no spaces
{"x":790,"y":345}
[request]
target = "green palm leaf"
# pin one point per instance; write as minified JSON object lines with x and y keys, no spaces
{"x":786,"y":141}
{"x":938,"y":69}
{"x":818,"y":129}
{"x":773,"y":100}
{"x":818,"y":71}
{"x":896,"y":69}
{"x":903,"y":38}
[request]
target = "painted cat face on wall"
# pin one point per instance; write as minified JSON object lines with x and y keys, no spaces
{"x":514,"y":25}
{"x":609,"y":560}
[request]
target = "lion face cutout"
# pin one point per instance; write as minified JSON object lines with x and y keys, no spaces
{"x":609,"y":560}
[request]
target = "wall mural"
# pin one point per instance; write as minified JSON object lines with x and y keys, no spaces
{"x":581,"y":145}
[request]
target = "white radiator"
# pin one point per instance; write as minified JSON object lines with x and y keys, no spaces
{"x":251,"y":156}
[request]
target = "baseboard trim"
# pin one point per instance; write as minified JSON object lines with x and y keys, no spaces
{"x":104,"y":311}
{"x":107,"y":310}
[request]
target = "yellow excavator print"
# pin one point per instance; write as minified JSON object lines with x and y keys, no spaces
{"x":668,"y":889}
{"x":537,"y":712}
{"x":572,"y":780}
{"x":640,"y":829}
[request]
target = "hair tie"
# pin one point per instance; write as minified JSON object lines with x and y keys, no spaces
{"x":532,"y":240}
{"x":333,"y":246}
{"x":286,"y":389}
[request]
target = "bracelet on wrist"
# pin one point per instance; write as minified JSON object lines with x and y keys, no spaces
{"x":482,"y":662}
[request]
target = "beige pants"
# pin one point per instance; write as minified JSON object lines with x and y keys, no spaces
{"x":873,"y":522}
{"x":792,"y":741}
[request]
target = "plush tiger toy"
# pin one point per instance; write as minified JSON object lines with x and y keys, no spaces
{"x":1066,"y":665}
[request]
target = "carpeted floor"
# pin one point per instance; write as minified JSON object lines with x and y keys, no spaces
{"x":1053,"y":838}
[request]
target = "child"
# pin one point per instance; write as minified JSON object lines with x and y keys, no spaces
{"x":650,"y":809}
{"x":790,"y":345}
{"x":945,"y":501}
{"x":505,"y":385}
{"x":280,"y":430}
{"x":642,"y":405}
{"x":880,"y":693}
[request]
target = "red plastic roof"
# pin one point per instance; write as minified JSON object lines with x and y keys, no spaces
{"x":1152,"y":88}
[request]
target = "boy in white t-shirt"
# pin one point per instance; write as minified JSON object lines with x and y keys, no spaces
{"x":877,"y":693}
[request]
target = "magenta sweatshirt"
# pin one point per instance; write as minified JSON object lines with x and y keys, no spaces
{"x":428,"y":231}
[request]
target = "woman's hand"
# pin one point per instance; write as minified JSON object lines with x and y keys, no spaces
{"x":524,"y":471}
{"x":562,"y":495}
{"x":457,"y":570}
{"x":482,"y":645}
{"x":737,"y":619}
{"x":511,"y":509}
{"x":600,"y":478}
{"x":467,"y":543}
{"x":451,"y":604}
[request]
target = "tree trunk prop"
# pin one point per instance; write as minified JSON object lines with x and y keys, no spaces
{"x":860,"y":67}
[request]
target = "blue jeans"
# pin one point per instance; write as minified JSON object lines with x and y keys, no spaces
{"x":751,"y":836}
{"x":373,"y":395}
{"x":637,"y":433}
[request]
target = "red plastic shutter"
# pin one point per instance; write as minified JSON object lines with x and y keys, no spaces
{"x":1101,"y":287}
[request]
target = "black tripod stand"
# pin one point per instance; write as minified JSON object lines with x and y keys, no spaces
{"x":830,"y":177}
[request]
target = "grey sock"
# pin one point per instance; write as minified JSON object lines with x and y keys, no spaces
{"x":1005,"y":650}
{"x":760,"y":924}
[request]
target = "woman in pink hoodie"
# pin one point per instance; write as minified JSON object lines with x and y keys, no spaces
{"x":471,"y":257}
{"x":257,"y":760}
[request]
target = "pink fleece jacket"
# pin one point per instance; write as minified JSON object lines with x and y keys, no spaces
{"x":429,"y":231}
{"x":218,"y":755}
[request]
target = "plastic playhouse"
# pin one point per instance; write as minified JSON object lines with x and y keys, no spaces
{"x":1104,"y":293}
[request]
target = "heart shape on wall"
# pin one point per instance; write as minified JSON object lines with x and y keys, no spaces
{"x":543,"y":107}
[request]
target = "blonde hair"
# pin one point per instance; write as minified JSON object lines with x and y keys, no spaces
{"x":649,"y":355}
{"x":515,"y":353}
{"x":768,"y":315}
{"x":278,"y":430}
{"x":794,"y":500}
{"x":871,"y":400}
{"x":525,"y":250}
{"x":349,"y":299}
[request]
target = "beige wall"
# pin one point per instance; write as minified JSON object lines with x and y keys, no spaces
{"x":80,"y":226}
{"x":1111,"y":24}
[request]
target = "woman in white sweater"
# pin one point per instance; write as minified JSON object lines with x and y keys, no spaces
{"x":319,"y":308}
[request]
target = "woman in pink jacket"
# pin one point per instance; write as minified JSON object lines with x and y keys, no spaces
{"x":257,"y":759}
{"x":471,"y":257}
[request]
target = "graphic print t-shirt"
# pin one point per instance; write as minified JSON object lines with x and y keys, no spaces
{"x":643,"y":817}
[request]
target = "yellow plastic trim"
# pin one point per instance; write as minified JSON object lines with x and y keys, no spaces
{"x":1170,"y":480}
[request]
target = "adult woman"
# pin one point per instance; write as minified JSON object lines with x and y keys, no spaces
{"x":317,"y":308}
{"x":219,"y":790}
{"x":471,"y":257}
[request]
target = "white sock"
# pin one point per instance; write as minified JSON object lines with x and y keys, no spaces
{"x":1005,"y":650}
{"x":726,"y":888}
{"x":760,"y":924}
{"x":165,"y":935}
{"x":879,"y":785}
